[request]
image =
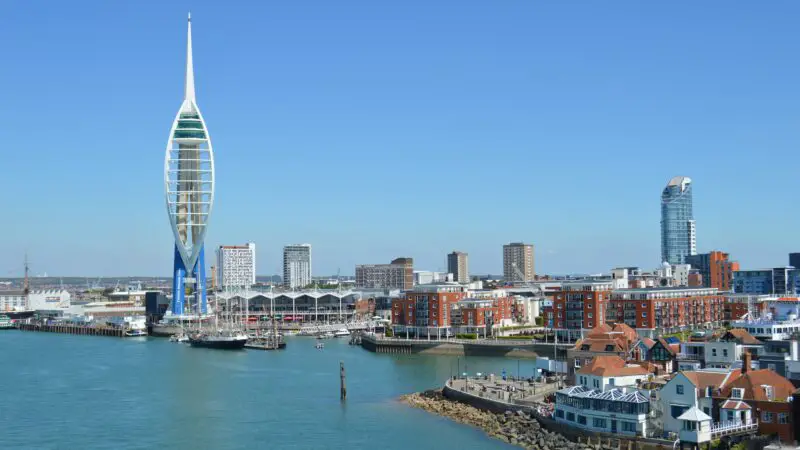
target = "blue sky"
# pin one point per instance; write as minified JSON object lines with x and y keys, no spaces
{"x":380,"y":129}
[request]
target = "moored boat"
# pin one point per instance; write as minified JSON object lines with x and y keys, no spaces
{"x":341,"y":332}
{"x":222,"y":339}
{"x":6,"y":323}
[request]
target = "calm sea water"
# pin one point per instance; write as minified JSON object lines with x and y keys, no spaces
{"x":67,"y":392}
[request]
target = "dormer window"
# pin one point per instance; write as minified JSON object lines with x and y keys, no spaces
{"x":737,"y":393}
{"x":768,"y":391}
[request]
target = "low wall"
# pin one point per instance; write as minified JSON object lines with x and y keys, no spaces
{"x":522,"y":350}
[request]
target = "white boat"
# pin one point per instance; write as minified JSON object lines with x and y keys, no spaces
{"x":341,"y":332}
{"x":133,"y":326}
{"x":135,"y":333}
{"x":180,"y":337}
{"x":320,"y":345}
{"x":325,"y":335}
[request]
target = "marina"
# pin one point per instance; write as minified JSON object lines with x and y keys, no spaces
{"x":232,"y":399}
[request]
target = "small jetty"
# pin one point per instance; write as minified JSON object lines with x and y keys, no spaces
{"x":73,"y":329}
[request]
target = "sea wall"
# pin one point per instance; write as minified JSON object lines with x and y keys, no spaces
{"x":515,"y":428}
{"x":510,"y":349}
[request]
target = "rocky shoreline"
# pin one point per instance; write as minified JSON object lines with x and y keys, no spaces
{"x":514,"y":428}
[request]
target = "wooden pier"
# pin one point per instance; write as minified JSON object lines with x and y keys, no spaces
{"x":74,"y":329}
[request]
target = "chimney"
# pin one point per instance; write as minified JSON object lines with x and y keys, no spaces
{"x":746,"y":362}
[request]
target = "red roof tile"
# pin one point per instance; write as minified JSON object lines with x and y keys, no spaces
{"x":611,"y":366}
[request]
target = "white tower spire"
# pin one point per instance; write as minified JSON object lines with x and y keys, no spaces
{"x":189,"y":64}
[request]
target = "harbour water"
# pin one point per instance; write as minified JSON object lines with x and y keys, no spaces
{"x":67,"y":391}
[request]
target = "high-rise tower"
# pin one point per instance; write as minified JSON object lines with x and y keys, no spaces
{"x":678,"y":236}
{"x":189,"y":192}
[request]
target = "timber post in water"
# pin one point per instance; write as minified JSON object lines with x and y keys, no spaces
{"x":342,"y":383}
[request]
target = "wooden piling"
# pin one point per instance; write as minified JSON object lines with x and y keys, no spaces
{"x":342,"y":383}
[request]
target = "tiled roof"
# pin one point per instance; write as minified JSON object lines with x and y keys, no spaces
{"x":596,"y":344}
{"x":648,"y":342}
{"x":611,"y":366}
{"x":753,"y":383}
{"x":702,"y":379}
{"x":735,"y":404}
{"x":741,"y":336}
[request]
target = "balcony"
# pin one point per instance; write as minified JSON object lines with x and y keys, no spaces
{"x":722,"y":429}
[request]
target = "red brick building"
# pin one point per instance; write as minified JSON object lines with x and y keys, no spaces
{"x":580,"y":305}
{"x":477,"y":315}
{"x":426,"y":306}
{"x":654,"y":311}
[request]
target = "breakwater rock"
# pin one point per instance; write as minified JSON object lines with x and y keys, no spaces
{"x":515,"y":428}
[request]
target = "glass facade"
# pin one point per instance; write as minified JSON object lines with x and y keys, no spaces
{"x":677,"y":221}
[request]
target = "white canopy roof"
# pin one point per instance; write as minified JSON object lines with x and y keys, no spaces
{"x":694,"y":415}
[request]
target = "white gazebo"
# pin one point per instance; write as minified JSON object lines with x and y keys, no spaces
{"x":696,"y":426}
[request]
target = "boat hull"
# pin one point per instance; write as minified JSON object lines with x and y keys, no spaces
{"x":221,"y":344}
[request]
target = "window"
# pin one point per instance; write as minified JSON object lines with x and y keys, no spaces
{"x":599,"y":423}
{"x":766,"y":417}
{"x":679,"y":389}
{"x":737,"y":393}
{"x":571,"y":417}
{"x":677,"y":410}
{"x":713,"y":352}
{"x":590,"y":315}
{"x":770,"y":393}
{"x":644,"y":314}
{"x":589,"y":306}
{"x":629,"y":427}
{"x":725,"y":352}
{"x":596,"y":383}
{"x":582,"y":420}
{"x":783,"y":418}
{"x":707,"y":410}
{"x":560,"y":413}
{"x":590,"y":324}
{"x":644,"y":305}
{"x":611,"y":382}
{"x":730,"y":416}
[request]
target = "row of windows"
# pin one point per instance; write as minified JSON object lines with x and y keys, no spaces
{"x":603,"y":405}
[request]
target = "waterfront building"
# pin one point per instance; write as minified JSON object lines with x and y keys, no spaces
{"x":426,"y":310}
{"x":518,"y":262}
{"x":678,"y":234}
{"x":771,"y":318}
{"x":318,"y":305}
{"x":399,"y":274}
{"x":189,"y":191}
{"x":654,"y":311}
{"x":38,"y":300}
{"x":794,"y":259}
{"x":297,"y":266}
{"x":581,"y":304}
{"x":716,"y":268}
{"x":777,"y":281}
{"x":458,"y":265}
{"x":480,"y":315}
{"x":236,"y":265}
{"x":606,"y":398}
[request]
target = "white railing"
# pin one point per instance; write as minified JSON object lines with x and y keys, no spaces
{"x":725,"y":428}
{"x":690,"y":356}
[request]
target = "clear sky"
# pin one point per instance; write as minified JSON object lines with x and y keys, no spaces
{"x":408,"y":128}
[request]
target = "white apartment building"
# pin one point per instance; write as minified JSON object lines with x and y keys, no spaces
{"x":236,"y":265}
{"x":297,"y":265}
